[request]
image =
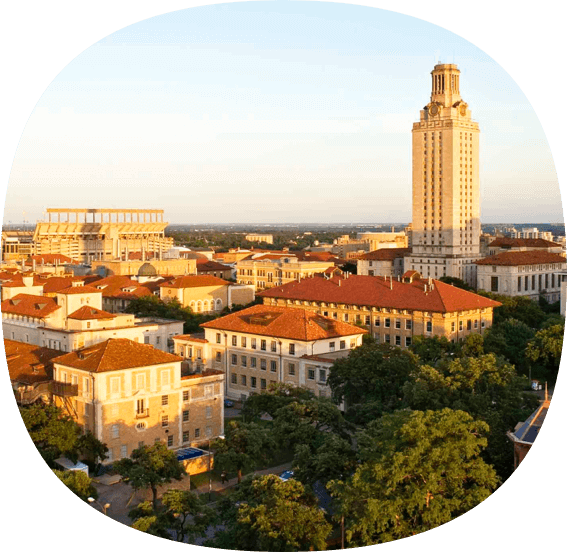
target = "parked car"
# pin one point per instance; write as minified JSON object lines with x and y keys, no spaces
{"x":286,"y":475}
{"x":228,"y":403}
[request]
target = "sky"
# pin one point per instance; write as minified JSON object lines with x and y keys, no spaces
{"x":270,"y":112}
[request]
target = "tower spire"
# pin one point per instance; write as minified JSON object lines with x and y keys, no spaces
{"x":445,"y":84}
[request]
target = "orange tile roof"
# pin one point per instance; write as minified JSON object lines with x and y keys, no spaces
{"x":374,"y":291}
{"x":29,"y":363}
{"x":77,"y":290}
{"x":57,"y":283}
{"x":50,"y":258}
{"x":90,"y":313}
{"x":195,"y":281}
{"x":523,"y":242}
{"x":189,"y":337}
{"x":207,"y":266}
{"x":283,"y":322}
{"x":518,"y":258}
{"x":386,"y":254}
{"x":116,"y":354}
{"x":30,"y":305}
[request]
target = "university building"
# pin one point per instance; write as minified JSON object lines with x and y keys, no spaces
{"x":445,"y":176}
{"x":265,"y":344}
{"x":129,"y":394}
{"x":393,"y":310}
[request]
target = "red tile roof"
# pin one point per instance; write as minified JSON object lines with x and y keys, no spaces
{"x":77,"y":290}
{"x":386,"y":254}
{"x":518,"y":258}
{"x":29,"y":363}
{"x":195,"y":281}
{"x":188,"y":337}
{"x":50,"y":259}
{"x":208,"y":266}
{"x":30,"y":305}
{"x":116,"y":354}
{"x":90,"y":313}
{"x":521,"y":242}
{"x":283,"y":322}
{"x":373,"y":291}
{"x":57,"y":283}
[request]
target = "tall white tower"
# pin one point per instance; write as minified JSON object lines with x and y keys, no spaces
{"x":446,"y":194}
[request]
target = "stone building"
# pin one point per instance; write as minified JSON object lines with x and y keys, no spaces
{"x":445,"y":176}
{"x":505,"y":245}
{"x":383,"y":262}
{"x":393,"y":310}
{"x":129,"y":394}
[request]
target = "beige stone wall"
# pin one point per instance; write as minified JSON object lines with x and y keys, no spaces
{"x":183,"y":412}
{"x":241,"y":295}
{"x":170,"y":267}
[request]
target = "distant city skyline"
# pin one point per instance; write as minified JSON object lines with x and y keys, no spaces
{"x":270,"y":112}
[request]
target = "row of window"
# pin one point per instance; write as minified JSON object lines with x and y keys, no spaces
{"x":311,"y":375}
{"x":254,"y":343}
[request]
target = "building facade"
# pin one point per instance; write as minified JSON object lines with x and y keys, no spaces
{"x":87,"y":235}
{"x":129,"y":394}
{"x":445,"y":176}
{"x":528,"y":273}
{"x":263,"y":344}
{"x":383,"y":262}
{"x":393,"y":311}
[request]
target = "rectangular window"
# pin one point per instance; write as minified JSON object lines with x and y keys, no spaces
{"x":408,"y":324}
{"x":234,"y":360}
{"x":398,"y":324}
{"x":242,"y":380}
{"x":164,"y":420}
{"x":263,"y":384}
{"x":186,"y":415}
{"x":476,"y":324}
{"x":253,"y":382}
{"x":124,"y":451}
{"x":262,"y":364}
{"x":377,"y":322}
{"x":243,"y":342}
{"x":292,"y":348}
{"x":387,"y":338}
{"x":197,"y":432}
{"x":367,"y":320}
{"x":253,"y":342}
{"x":185,"y":396}
{"x":218,"y":356}
{"x":234,"y":378}
{"x":164,"y":400}
{"x":291,"y":369}
{"x":429,"y":326}
{"x":519,"y":283}
{"x":263,"y":345}
{"x":273,"y":366}
{"x":342,"y":344}
{"x":209,"y":410}
{"x":408,"y":341}
{"x":243,"y":361}
{"x":332,"y":346}
{"x":115,"y":431}
{"x":185,"y":436}
{"x":460,"y":325}
{"x":398,"y":341}
{"x":252,"y":362}
{"x":170,"y":440}
{"x":274,"y":346}
{"x":469,"y":324}
{"x":218,"y":338}
{"x":310,"y":374}
{"x":386,"y":322}
{"x":452,"y":326}
{"x":322,"y":376}
{"x":494,"y":283}
{"x":209,"y":431}
{"x":234,"y":341}
{"x":345,"y":316}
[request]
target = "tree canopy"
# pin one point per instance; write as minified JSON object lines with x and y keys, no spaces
{"x":78,"y":482}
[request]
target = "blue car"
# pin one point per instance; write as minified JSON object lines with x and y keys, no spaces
{"x":228,"y":403}
{"x":286,"y":475}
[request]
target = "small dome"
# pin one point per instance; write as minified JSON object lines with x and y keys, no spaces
{"x":147,"y":269}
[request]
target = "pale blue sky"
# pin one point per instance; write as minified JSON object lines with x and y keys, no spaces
{"x":270,"y":112}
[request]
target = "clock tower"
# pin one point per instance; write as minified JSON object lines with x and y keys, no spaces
{"x":446,"y":191}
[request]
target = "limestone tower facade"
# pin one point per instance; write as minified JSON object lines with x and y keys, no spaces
{"x":445,"y":176}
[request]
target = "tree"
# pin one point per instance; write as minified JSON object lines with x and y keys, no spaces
{"x":418,"y":471}
{"x":473,"y":346}
{"x":431,"y":350}
{"x":244,"y":446}
{"x":545,"y":348}
{"x":182,"y":516}
{"x":149,"y":467}
{"x":509,"y":339}
{"x":78,"y":482}
{"x":272,"y":399}
{"x":370,"y":380}
{"x":279,"y":516}
{"x":91,"y":449}
{"x":52,"y":432}
{"x":519,"y":307}
{"x":487,"y":387}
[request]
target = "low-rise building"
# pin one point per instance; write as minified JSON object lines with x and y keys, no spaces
{"x":129,"y":394}
{"x":266,"y":270}
{"x":505,"y":245}
{"x":263,"y":238}
{"x":266,"y":344}
{"x":383,"y":262}
{"x":74,"y":319}
{"x":530,"y":273}
{"x":212,"y":268}
{"x":206,"y":294}
{"x":393,"y":310}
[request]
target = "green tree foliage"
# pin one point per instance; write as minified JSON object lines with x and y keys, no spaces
{"x":244,"y":447}
{"x":431,"y":350}
{"x":418,"y":471}
{"x":520,"y":308}
{"x":52,"y":432}
{"x":486,"y":387}
{"x":269,"y":514}
{"x":182,"y":517}
{"x":370,"y":380}
{"x":509,"y":339}
{"x":78,"y":482}
{"x":473,"y":346}
{"x":272,"y":399}
{"x":545,"y":348}
{"x":91,"y":450}
{"x":149,"y":467}
{"x":153,"y":306}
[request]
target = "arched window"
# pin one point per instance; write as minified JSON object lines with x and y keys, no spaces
{"x":218,"y":305}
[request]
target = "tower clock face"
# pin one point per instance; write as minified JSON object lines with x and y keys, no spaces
{"x":434,"y":109}
{"x":463,"y":109}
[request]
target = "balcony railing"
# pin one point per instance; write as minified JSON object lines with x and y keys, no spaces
{"x":31,"y":394}
{"x":64,"y":389}
{"x":145,"y":413}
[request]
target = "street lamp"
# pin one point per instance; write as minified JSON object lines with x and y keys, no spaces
{"x":103,"y":508}
{"x":210,"y":473}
